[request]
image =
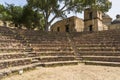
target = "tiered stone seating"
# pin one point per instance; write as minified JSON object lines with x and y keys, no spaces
{"x":50,"y":49}
{"x":12,"y":53}
{"x":24,"y":49}
{"x":99,"y":48}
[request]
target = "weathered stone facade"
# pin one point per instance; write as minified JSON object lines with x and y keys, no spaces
{"x":114,"y":26}
{"x":106,"y":19}
{"x":72,"y":24}
{"x":93,"y":21}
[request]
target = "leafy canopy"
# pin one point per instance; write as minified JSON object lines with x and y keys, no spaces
{"x":21,"y":16}
{"x":41,"y":13}
{"x":60,"y":8}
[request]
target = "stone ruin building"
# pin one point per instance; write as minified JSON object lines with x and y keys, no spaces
{"x":93,"y":21}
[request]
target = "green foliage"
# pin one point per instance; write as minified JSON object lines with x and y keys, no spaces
{"x":27,"y":17}
{"x":22,"y":16}
{"x":102,"y":5}
{"x":3,"y":14}
{"x":59,"y":8}
{"x":1,"y":8}
{"x":46,"y":8}
{"x":15,"y":13}
{"x":32,"y":19}
{"x":41,"y":13}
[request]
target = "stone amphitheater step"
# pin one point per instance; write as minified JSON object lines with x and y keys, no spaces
{"x":51,"y":53}
{"x":17,"y":69}
{"x":47,"y":42}
{"x":99,"y":53}
{"x":59,"y":63}
{"x":12,"y":45}
{"x":50,"y":45}
{"x":102,"y":58}
{"x":14,"y":62}
{"x":99,"y":48}
{"x":114,"y":64}
{"x":12,"y":55}
{"x":52,"y":49}
{"x":35,"y":61}
{"x":12,"y":49}
{"x":97,"y":45}
{"x":9,"y":40}
{"x":96,"y":42}
{"x":94,"y":39}
{"x":54,"y":58}
{"x":40,"y":38}
{"x":6,"y":33}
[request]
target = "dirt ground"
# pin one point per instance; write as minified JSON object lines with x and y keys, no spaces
{"x":77,"y":72}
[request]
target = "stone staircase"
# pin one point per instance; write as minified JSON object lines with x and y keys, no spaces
{"x":99,"y":48}
{"x":50,"y":49}
{"x":25,"y":49}
{"x":13,"y":55}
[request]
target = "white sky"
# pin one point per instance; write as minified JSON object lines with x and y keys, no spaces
{"x":112,"y":12}
{"x":115,"y":8}
{"x":16,"y":2}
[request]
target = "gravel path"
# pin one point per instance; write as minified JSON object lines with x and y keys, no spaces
{"x":77,"y":72}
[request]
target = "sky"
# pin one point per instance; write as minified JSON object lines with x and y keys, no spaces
{"x":115,"y":8}
{"x":16,"y":2}
{"x":112,"y":12}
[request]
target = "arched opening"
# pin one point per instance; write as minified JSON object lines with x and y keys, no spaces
{"x":67,"y":28}
{"x":58,"y":29}
{"x":90,"y":15}
{"x":90,"y":28}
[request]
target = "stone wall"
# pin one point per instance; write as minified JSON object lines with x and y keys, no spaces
{"x":114,"y":26}
{"x":96,"y":25}
{"x":95,"y":14}
{"x":79,"y":27}
{"x":107,"y":21}
{"x":75,"y":25}
{"x":93,"y":20}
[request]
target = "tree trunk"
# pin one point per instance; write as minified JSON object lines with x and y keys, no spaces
{"x":47,"y":26}
{"x":46,"y":16}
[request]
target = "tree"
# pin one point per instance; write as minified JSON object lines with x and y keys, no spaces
{"x":32,"y":19}
{"x":22,"y":16}
{"x":27,"y":17}
{"x":59,"y":8}
{"x":102,"y":5}
{"x":1,"y":8}
{"x":3,"y":14}
{"x":15,"y":13}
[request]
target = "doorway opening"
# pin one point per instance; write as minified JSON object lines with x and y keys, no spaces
{"x":90,"y":28}
{"x":67,"y":28}
{"x":58,"y":29}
